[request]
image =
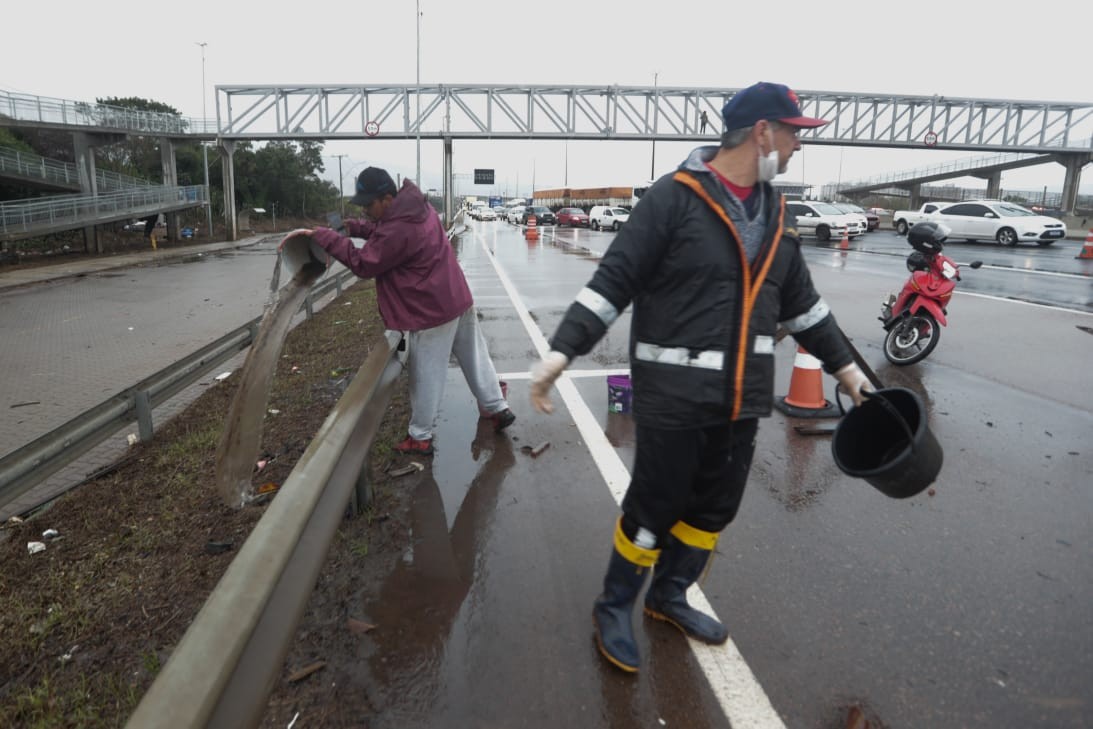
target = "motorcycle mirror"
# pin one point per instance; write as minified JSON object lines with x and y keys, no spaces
{"x":975,"y":264}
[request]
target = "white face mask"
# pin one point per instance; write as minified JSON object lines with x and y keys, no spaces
{"x":768,"y":166}
{"x":768,"y":163}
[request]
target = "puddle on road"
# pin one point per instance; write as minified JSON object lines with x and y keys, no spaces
{"x":242,"y":437}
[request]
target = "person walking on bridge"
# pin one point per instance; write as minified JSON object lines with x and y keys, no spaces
{"x":712,"y":267}
{"x":421,"y":290}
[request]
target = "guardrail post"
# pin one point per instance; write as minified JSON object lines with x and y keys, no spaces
{"x":143,"y":405}
{"x":308,"y":306}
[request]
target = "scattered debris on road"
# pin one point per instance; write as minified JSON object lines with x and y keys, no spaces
{"x":406,"y":470}
{"x":306,"y":671}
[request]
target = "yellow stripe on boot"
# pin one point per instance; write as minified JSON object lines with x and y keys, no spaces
{"x":633,"y":553}
{"x":695,"y":537}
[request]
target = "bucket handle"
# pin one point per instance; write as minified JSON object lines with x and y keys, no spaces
{"x":871,"y":395}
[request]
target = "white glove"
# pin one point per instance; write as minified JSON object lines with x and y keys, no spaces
{"x":543,"y":375}
{"x":854,"y":382}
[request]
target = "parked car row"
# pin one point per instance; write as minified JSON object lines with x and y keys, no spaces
{"x":601,"y":217}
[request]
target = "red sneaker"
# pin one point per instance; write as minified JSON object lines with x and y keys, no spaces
{"x":413,"y":446}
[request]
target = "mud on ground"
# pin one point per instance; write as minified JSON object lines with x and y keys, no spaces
{"x":87,"y":624}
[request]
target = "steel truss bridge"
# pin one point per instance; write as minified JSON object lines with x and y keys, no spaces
{"x":1059,"y":131}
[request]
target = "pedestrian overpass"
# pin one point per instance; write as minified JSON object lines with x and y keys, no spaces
{"x":1046,"y":131}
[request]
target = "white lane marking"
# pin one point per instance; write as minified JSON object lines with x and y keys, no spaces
{"x":734,"y":685}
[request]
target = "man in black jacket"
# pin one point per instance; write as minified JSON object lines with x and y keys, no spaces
{"x":712,"y":268}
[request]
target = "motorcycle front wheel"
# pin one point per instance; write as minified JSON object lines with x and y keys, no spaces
{"x":912,"y":339}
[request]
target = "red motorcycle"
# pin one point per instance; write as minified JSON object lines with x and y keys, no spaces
{"x":912,"y":318}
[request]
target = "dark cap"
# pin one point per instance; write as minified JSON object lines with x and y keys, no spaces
{"x":765,"y":100}
{"x":373,"y":182}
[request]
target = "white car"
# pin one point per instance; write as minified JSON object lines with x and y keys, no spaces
{"x":604,"y":217}
{"x":1005,"y":222}
{"x":515,"y":215}
{"x":486,"y":214}
{"x":855,"y":215}
{"x":820,"y":219}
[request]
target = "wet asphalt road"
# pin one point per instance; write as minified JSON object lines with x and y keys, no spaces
{"x":968,"y":608}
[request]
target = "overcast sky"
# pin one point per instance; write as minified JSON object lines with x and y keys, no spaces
{"x":127,"y":48}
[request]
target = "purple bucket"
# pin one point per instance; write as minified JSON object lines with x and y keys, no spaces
{"x":618,"y":393}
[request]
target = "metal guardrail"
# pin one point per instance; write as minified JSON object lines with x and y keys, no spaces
{"x":25,"y":217}
{"x":24,"y":468}
{"x":223,"y":669}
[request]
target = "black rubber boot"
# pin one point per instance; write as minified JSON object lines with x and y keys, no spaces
{"x":680,"y":565}
{"x":613,"y":610}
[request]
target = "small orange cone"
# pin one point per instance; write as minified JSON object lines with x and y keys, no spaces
{"x":806,"y":390}
{"x":532,"y":232}
{"x":845,"y":244}
{"x":1087,"y":249}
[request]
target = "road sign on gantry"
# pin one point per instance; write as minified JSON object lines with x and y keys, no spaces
{"x":483,"y":177}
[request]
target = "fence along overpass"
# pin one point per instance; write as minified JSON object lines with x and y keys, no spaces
{"x":1056,"y":130}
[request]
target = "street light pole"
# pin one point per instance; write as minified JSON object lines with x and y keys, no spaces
{"x":341,"y":193}
{"x":205,"y":150}
{"x":417,"y":95}
{"x":656,"y":107}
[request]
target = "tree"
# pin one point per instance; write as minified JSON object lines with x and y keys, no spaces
{"x":138,"y":156}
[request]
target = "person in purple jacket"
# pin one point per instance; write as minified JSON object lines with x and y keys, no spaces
{"x":420,"y":290}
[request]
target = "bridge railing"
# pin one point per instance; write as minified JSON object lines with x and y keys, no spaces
{"x":28,"y":165}
{"x":46,"y":110}
{"x":28,"y":216}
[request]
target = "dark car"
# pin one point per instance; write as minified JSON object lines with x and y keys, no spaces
{"x":542,"y":214}
{"x":572,"y":216}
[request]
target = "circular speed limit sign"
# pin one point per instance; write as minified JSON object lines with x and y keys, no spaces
{"x":930,"y":139}
{"x":372,"y":128}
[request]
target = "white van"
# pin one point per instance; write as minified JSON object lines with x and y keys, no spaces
{"x":820,"y":219}
{"x":607,"y":217}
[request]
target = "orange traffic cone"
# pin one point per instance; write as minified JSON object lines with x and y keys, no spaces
{"x":806,"y":390}
{"x":1087,"y":249}
{"x":845,"y":244}
{"x":532,"y":232}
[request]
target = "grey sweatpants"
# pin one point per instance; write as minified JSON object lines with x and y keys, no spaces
{"x":430,"y":350}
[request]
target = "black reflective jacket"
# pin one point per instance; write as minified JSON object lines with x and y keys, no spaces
{"x":704,"y":319}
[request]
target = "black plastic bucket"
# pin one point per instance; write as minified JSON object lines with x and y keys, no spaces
{"x":885,"y":441}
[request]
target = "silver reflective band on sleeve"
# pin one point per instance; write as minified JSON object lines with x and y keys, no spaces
{"x":598,"y":305}
{"x":810,"y":318}
{"x":708,"y":360}
{"x":764,"y":345}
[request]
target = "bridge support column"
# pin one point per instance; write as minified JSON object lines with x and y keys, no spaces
{"x":1073,"y":164}
{"x":227,"y":165}
{"x":994,"y":185}
{"x":916,"y":196}
{"x":447,"y":182}
{"x":170,"y":179}
{"x":83,"y":147}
